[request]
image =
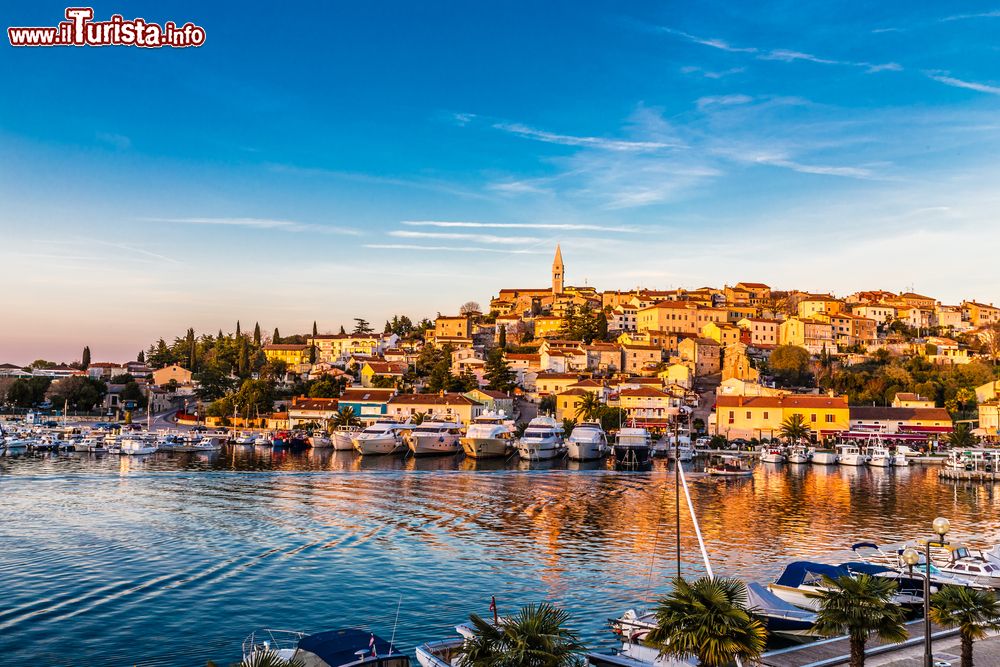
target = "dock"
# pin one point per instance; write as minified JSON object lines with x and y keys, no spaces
{"x":973,"y":475}
{"x":837,"y":650}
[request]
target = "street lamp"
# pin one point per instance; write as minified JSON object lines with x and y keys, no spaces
{"x":940,"y":526}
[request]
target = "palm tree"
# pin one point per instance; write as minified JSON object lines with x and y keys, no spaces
{"x":269,"y":659}
{"x":345,"y":417}
{"x":417,"y":418}
{"x":590,"y":406}
{"x":535,"y":636}
{"x":794,"y":428}
{"x":859,"y":607}
{"x":961,"y":437}
{"x":708,"y":619}
{"x":973,"y":611}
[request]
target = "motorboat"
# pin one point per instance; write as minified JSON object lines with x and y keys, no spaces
{"x":802,"y":581}
{"x":987,"y":460}
{"x":587,"y":442}
{"x":490,"y":435}
{"x":350,"y":647}
{"x":320,"y":440}
{"x":879,"y":456}
{"x":134,"y":446}
{"x":772,"y":454}
{"x":850,"y":455}
{"x":799,"y":454}
{"x":899,"y":458}
{"x":542,"y":440}
{"x":290,"y":440}
{"x":779,"y":616}
{"x":956,"y":558}
{"x":431,"y":438}
{"x":729,"y":466}
{"x":892,"y":557}
{"x":244,"y":439}
{"x":381,"y":438}
{"x":825,"y":457}
{"x":682,"y":450}
{"x":263,"y":440}
{"x":343,"y":438}
{"x":632,"y":446}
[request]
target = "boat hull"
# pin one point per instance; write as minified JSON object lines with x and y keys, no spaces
{"x":343,"y":440}
{"x":825,"y":458}
{"x":433,"y":445}
{"x":631,"y":455}
{"x":486,"y":448}
{"x":586,"y":451}
{"x":539,"y":451}
{"x":378,"y":446}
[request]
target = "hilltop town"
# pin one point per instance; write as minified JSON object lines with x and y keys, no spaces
{"x":734,"y":361}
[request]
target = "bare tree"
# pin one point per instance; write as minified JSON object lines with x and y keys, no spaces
{"x":990,"y":337}
{"x":469,"y":307}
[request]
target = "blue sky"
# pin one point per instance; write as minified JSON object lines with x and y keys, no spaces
{"x":364,"y":159}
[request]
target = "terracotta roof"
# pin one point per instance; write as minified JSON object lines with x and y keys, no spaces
{"x":492,"y":393}
{"x":432,"y":399}
{"x":371,"y":395}
{"x":289,"y":347}
{"x":523,"y":357}
{"x":899,"y":414}
{"x":574,"y":392}
{"x":385,"y":368}
{"x":754,"y":285}
{"x":805,"y":401}
{"x":558,"y":376}
{"x":304,"y":403}
{"x":643,"y":392}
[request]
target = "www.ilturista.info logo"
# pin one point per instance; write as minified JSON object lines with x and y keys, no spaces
{"x":81,"y":30}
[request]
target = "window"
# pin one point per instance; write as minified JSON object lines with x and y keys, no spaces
{"x":829,"y":419}
{"x":732,"y":417}
{"x":765,"y":415}
{"x":812,"y":417}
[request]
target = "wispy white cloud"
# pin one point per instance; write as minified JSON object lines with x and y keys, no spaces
{"x":602,"y":143}
{"x":131,"y":251}
{"x":520,"y":225}
{"x":979,"y":15}
{"x":491,"y":239}
{"x":460,"y":249}
{"x":519,"y":187}
{"x":710,"y":74}
{"x":723,"y":100}
{"x":783,"y":55}
{"x":959,"y":83}
{"x":262,"y":224}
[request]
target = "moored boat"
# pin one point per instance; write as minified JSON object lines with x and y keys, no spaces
{"x":380,"y":439}
{"x":490,"y":435}
{"x":632,"y":446}
{"x":350,"y":647}
{"x":542,"y":440}
{"x":433,"y":437}
{"x":587,"y":442}
{"x":850,"y":455}
{"x":729,"y":466}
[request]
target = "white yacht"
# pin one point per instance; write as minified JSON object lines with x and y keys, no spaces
{"x":879,"y":456}
{"x":542,"y":440}
{"x":587,"y":442}
{"x":343,"y":437}
{"x":850,"y":455}
{"x":244,"y":439}
{"x":899,"y":457}
{"x":434,"y":437}
{"x":772,"y":454}
{"x":385,"y":437}
{"x":263,"y":440}
{"x":490,"y":435}
{"x":632,"y":446}
{"x":799,"y":454}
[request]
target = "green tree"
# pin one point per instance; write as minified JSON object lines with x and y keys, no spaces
{"x":276,"y":337}
{"x":122,"y":378}
{"x":27,"y":392}
{"x":612,"y":418}
{"x":534,"y":636}
{"x":254,"y":396}
{"x":708,"y":619}
{"x":85,"y":358}
{"x":212,"y":383}
{"x":547,"y":404}
{"x":790,"y":364}
{"x":256,"y":334}
{"x":132,"y":392}
{"x":859,"y":607}
{"x":362,"y":327}
{"x":497,"y":371}
{"x":974,"y":612}
{"x":342,"y":331}
{"x":81,"y":393}
{"x":345,"y":417}
{"x":141,"y":357}
{"x":192,"y":347}
{"x":502,"y":339}
{"x":961,"y":437}
{"x":794,"y":428}
{"x":325,"y":388}
{"x":590,"y":407}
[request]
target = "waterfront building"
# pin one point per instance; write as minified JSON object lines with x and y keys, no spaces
{"x":738,"y":416}
{"x":492,"y":400}
{"x":458,"y":407}
{"x":304,"y":410}
{"x":368,"y":403}
{"x":917,"y":423}
{"x":553,"y":383}
{"x":905,"y":399}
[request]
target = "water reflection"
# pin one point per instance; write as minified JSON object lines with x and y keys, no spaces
{"x":112,"y":559}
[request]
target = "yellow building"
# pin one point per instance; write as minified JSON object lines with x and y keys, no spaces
{"x":813,"y":335}
{"x":548,"y":326}
{"x":291,"y":354}
{"x":568,"y":403}
{"x":678,"y":317}
{"x":721,"y":333}
{"x":443,"y":406}
{"x":980,"y":314}
{"x":762,"y":416}
{"x":814,"y":304}
{"x":762,"y":331}
{"x":162,"y":376}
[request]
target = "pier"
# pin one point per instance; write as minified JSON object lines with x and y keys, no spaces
{"x":837,"y":650}
{"x":973,"y":475}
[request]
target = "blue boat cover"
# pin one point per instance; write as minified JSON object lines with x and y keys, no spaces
{"x":870,"y":545}
{"x":802,"y":571}
{"x":866,"y":568}
{"x":767,"y":603}
{"x":340,"y":647}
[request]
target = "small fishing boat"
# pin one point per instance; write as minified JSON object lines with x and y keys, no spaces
{"x":320,"y":440}
{"x":850,"y":455}
{"x":825,"y":457}
{"x":799,"y":454}
{"x":729,"y":466}
{"x":137,"y":447}
{"x":772,"y":454}
{"x":343,"y":437}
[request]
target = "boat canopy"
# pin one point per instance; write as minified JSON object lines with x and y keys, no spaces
{"x":769,"y":604}
{"x":342,"y":647}
{"x":857,"y":567}
{"x":809,"y":573}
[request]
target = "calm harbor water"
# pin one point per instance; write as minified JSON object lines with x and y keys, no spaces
{"x":172,"y":559}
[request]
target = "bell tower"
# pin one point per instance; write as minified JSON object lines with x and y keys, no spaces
{"x":558,"y":272}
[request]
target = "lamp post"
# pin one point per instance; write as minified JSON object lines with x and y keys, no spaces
{"x":940,"y":526}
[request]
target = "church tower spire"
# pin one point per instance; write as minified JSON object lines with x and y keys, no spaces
{"x":558,"y":272}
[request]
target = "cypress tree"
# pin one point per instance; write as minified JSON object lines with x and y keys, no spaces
{"x":342,"y":332}
{"x":276,"y":338}
{"x":503,"y":337}
{"x":237,"y":328}
{"x":141,"y":358}
{"x":256,"y":334}
{"x":315,"y":331}
{"x":85,"y":358}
